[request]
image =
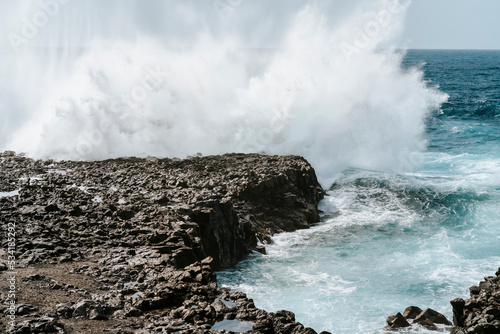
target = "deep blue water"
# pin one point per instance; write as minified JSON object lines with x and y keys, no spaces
{"x":387,"y":241}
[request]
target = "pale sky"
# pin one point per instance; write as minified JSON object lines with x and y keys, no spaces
{"x":430,"y":24}
{"x":453,"y":24}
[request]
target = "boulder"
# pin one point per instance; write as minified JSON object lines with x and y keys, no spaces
{"x":397,"y":321}
{"x":411,"y":312}
{"x":432,"y":315}
{"x":481,"y":313}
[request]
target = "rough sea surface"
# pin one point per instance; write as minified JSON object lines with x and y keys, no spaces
{"x":386,"y":240}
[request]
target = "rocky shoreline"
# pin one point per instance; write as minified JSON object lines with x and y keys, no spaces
{"x":480,"y":314}
{"x":131,"y":245}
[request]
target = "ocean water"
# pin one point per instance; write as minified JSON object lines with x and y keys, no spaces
{"x":405,"y":143}
{"x":390,"y":240}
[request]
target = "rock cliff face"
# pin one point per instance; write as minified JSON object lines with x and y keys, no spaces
{"x":481,"y":313}
{"x":130,"y":245}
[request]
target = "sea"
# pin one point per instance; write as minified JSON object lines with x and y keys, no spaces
{"x":390,"y":240}
{"x":405,"y":142}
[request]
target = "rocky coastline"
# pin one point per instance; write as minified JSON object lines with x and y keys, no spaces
{"x":131,"y":245}
{"x":480,"y":314}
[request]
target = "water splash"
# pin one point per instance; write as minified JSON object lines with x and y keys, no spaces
{"x":331,"y":89}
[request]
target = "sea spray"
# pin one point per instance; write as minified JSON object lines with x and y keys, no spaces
{"x":129,"y":93}
{"x":390,"y":240}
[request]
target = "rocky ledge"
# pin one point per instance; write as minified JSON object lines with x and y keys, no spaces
{"x":481,"y":313}
{"x":131,"y":245}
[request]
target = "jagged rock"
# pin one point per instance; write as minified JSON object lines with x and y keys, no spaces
{"x":432,"y":315}
{"x":481,"y":313}
{"x":458,"y":311}
{"x":427,"y":323}
{"x":64,"y":311}
{"x":82,"y":308}
{"x":151,"y":233}
{"x":457,"y":330}
{"x":414,"y":315}
{"x":24,"y":309}
{"x":133,"y":312}
{"x":411,"y":312}
{"x":397,"y":321}
{"x":51,"y":208}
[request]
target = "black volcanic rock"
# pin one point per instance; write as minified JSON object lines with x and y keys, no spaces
{"x":397,"y":321}
{"x":481,"y":313}
{"x":411,"y":312}
{"x":414,"y":315}
{"x":127,"y":244}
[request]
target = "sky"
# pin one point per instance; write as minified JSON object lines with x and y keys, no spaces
{"x":430,"y":24}
{"x":453,"y":24}
{"x":33,"y":58}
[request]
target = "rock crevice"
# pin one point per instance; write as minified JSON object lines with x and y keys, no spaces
{"x":131,"y":245}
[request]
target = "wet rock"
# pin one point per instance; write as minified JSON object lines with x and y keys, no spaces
{"x":457,"y":330}
{"x":481,"y":313}
{"x":458,"y":311}
{"x":428,"y":324}
{"x":64,"y":311}
{"x":432,"y":315}
{"x":411,"y":312}
{"x":397,"y":321}
{"x":414,"y":315}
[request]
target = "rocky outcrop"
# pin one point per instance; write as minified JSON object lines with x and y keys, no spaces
{"x":131,"y":245}
{"x":416,"y":317}
{"x":481,"y":313}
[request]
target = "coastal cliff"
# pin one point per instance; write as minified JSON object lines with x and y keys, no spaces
{"x":130,"y":245}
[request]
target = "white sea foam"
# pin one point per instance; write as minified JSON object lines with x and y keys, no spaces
{"x":393,"y":241}
{"x":319,"y":92}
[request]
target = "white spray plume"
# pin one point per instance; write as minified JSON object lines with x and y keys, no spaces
{"x":333,"y":92}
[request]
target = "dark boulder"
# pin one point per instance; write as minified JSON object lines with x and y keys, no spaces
{"x":481,"y":313}
{"x":432,"y":315}
{"x":411,"y":312}
{"x":397,"y":321}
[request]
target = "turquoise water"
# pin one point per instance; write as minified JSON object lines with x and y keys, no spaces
{"x":145,"y":80}
{"x":387,"y":241}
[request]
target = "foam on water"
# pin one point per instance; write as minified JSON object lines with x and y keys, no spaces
{"x":385,"y":242}
{"x":116,"y":78}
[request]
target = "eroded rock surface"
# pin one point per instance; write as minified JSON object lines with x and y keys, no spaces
{"x":481,"y":313}
{"x":131,"y":245}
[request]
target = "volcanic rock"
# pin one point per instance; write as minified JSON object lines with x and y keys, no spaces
{"x":481,"y":313}
{"x":131,"y":245}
